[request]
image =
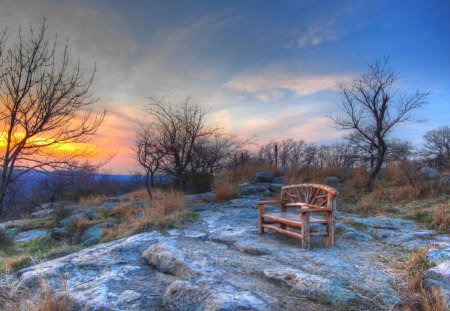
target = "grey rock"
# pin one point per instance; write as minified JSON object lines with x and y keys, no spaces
{"x":91,"y":236}
{"x":331,"y":180}
{"x":437,"y":256}
{"x":210,"y":296}
{"x":439,"y":277}
{"x":200,"y":197}
{"x":29,"y":235}
{"x":128,"y":296}
{"x":429,"y":173}
{"x":264,"y":177}
{"x":166,"y":258}
{"x":253,"y":188}
{"x":357,"y":236}
{"x":311,"y":285}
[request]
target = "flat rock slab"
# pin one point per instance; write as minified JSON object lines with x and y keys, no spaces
{"x":30,"y":235}
{"x":221,"y":263}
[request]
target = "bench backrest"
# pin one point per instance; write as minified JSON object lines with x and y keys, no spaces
{"x":315,"y":194}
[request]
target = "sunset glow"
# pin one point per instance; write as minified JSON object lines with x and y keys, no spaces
{"x":267,"y":69}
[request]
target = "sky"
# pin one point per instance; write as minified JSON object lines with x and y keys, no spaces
{"x":264,"y":68}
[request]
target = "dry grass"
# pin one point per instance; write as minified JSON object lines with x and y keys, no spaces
{"x":165,"y":206}
{"x":166,"y":209}
{"x":92,"y":200}
{"x":357,"y":178}
{"x":416,"y":295}
{"x":122,"y":212}
{"x":15,"y":263}
{"x":76,"y":227}
{"x":224,"y":189}
{"x":139,"y":194}
{"x":441,"y":218}
{"x":41,"y":299}
{"x":370,"y":203}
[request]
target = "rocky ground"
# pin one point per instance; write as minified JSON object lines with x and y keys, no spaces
{"x":219,"y":262}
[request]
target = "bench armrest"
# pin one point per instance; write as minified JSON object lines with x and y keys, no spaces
{"x":268,"y":202}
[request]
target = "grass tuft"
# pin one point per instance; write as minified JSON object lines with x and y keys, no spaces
{"x":224,"y":189}
{"x":441,"y":218}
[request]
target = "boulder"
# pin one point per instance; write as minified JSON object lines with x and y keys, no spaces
{"x":264,"y":177}
{"x":429,"y":173}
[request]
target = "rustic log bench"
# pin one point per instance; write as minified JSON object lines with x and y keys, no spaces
{"x":300,"y":206}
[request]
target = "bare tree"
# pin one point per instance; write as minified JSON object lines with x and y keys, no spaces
{"x":43,"y":102}
{"x":177,"y":129}
{"x":437,"y":144}
{"x":148,"y":154}
{"x":372,"y":109}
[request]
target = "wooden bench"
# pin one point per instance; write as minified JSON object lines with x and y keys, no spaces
{"x":310,"y":208}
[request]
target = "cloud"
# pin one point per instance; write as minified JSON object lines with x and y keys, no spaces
{"x":315,"y":35}
{"x":272,"y":85}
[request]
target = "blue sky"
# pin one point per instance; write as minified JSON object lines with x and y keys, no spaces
{"x":266,"y":68}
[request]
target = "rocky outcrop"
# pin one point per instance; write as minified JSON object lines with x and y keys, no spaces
{"x":222,"y":263}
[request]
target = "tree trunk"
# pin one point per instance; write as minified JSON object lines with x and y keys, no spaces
{"x":149,"y":184}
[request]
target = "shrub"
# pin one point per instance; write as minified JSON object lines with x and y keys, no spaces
{"x":224,"y":189}
{"x":76,"y":227}
{"x":61,"y":212}
{"x":441,"y":218}
{"x":5,"y":241}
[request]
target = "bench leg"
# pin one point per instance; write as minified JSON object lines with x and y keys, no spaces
{"x":260,"y":219}
{"x":327,"y":237}
{"x":306,"y":233}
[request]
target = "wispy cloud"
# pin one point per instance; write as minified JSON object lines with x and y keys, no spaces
{"x":315,"y":35}
{"x":272,"y":85}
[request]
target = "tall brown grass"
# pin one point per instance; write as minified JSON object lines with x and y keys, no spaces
{"x":417,"y":296}
{"x":168,"y":207}
{"x":441,"y":218}
{"x":43,"y":298}
{"x":223,"y":188}
{"x":92,"y":199}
